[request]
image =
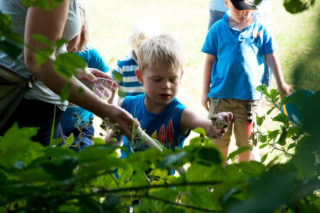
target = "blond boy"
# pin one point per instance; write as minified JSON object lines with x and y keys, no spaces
{"x":158,"y":110}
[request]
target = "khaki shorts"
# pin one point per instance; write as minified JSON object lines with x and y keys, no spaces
{"x":244,"y":119}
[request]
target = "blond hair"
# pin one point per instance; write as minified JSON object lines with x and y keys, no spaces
{"x":161,"y":50}
{"x":84,"y":34}
{"x":142,"y":30}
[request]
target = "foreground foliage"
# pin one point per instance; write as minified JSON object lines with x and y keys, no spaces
{"x":38,"y":179}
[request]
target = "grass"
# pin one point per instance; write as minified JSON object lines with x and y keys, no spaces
{"x":111,"y":21}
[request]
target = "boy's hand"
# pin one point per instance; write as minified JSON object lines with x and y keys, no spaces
{"x":221,"y":122}
{"x":285,"y":90}
{"x":205,"y":102}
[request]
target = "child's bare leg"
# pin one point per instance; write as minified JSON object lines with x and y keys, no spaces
{"x":224,"y":151}
{"x":245,"y":156}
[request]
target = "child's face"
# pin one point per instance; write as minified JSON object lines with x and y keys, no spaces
{"x":160,"y":85}
{"x":240,"y":16}
{"x":73,"y":45}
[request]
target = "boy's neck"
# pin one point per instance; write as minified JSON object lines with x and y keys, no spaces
{"x":154,"y":108}
{"x":237,"y":25}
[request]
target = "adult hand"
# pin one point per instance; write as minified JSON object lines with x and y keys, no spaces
{"x":123,"y":118}
{"x":90,"y":75}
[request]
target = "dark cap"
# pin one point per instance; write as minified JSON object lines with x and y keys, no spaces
{"x":244,"y":4}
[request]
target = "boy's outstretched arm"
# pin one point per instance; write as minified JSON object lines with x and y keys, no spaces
{"x":274,"y":64}
{"x":190,"y":120}
{"x":206,"y":79}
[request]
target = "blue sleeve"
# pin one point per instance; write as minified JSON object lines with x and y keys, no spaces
{"x":269,"y":43}
{"x":210,"y":43}
{"x":94,"y":59}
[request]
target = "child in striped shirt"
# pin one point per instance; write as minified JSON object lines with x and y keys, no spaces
{"x":124,"y":71}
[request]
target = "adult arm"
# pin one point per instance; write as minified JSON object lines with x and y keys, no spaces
{"x":206,"y":80}
{"x":190,"y":120}
{"x":51,"y":24}
{"x":274,"y":64}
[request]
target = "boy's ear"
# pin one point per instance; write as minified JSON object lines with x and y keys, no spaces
{"x":181,"y":74}
{"x":139,"y":76}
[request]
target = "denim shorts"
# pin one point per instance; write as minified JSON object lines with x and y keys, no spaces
{"x":244,"y":116}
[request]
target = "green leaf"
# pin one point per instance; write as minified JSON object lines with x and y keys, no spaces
{"x":292,"y":145}
{"x":5,"y":23}
{"x":283,"y":136}
{"x":263,"y":145}
{"x":196,"y":140}
{"x":67,"y":63}
{"x":272,"y":135}
{"x":263,"y":137}
{"x":64,"y":95}
{"x":274,"y":95}
{"x":170,"y":160}
{"x":270,"y":110}
{"x":260,"y":119}
{"x":200,"y":131}
{"x":282,"y":118}
{"x":111,"y":201}
{"x":69,"y":140}
{"x":263,"y":89}
{"x":264,"y":157}
{"x":167,"y":194}
{"x":16,"y":145}
{"x":199,"y":172}
{"x":60,"y":42}
{"x":252,"y":168}
{"x":43,"y":4}
{"x":61,"y":170}
{"x":42,"y":39}
{"x":43,"y":55}
{"x":12,"y":49}
{"x":238,"y":151}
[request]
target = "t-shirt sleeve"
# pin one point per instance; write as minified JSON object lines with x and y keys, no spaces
{"x":269,"y":44}
{"x":97,"y":61}
{"x":210,"y":43}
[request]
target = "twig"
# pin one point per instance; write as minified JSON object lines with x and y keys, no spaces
{"x":172,"y":203}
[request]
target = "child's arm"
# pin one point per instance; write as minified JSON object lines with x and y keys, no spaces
{"x":206,"y":79}
{"x":274,"y":64}
{"x":190,"y":120}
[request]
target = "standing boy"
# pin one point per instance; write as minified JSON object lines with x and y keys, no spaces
{"x":158,"y":110}
{"x":237,"y":47}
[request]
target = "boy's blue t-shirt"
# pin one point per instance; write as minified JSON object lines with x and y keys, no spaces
{"x":239,"y":65}
{"x":164,"y":127}
{"x":94,"y":60}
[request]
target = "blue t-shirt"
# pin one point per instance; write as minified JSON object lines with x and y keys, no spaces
{"x":239,"y":65}
{"x":94,"y":60}
{"x":164,"y":127}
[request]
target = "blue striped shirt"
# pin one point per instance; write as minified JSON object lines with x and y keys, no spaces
{"x":124,"y":75}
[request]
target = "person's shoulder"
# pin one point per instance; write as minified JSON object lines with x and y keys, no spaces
{"x":132,"y":101}
{"x":223,"y":22}
{"x":133,"y":98}
{"x":127,"y":61}
{"x":175,"y":103}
